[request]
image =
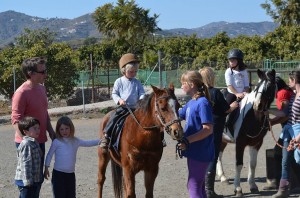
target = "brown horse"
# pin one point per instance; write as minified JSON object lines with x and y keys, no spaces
{"x":140,"y":143}
{"x":250,"y":129}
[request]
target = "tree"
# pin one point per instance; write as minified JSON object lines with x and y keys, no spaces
{"x":31,"y":37}
{"x":61,"y":67}
{"x":62,"y":71}
{"x":126,"y":23}
{"x":285,"y":12}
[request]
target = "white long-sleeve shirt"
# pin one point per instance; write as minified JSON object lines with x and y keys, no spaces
{"x":130,"y":90}
{"x":65,"y":150}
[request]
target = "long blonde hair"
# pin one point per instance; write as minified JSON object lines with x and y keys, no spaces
{"x":208,"y":76}
{"x":195,"y":78}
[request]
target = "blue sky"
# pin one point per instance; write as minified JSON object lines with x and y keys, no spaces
{"x":173,"y":13}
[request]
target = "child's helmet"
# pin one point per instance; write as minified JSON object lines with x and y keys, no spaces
{"x":127,"y":58}
{"x":235,"y":53}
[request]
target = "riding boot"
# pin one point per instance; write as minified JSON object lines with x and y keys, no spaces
{"x":210,"y":185}
{"x":283,"y":191}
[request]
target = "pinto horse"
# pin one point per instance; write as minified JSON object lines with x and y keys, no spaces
{"x":140,"y":147}
{"x":250,"y":129}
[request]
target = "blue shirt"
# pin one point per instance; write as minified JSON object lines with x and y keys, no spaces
{"x":130,"y":90}
{"x":196,"y":113}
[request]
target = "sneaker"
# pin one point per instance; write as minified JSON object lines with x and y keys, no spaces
{"x":164,"y":143}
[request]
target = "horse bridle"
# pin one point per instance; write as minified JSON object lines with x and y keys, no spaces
{"x":265,"y":124}
{"x":159,"y":116}
{"x":162,"y":119}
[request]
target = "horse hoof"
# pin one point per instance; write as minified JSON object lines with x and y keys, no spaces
{"x":238,"y":192}
{"x":254,"y":190}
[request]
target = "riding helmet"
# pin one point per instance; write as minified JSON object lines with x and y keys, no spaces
{"x":127,"y":58}
{"x":235,"y":53}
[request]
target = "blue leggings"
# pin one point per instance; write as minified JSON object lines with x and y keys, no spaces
{"x":196,"y":179}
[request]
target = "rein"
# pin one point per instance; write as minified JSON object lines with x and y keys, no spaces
{"x":145,"y":128}
{"x":160,"y":118}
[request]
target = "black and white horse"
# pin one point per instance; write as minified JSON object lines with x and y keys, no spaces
{"x":250,"y":128}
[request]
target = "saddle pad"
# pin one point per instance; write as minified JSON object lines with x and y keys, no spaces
{"x":117,"y":131}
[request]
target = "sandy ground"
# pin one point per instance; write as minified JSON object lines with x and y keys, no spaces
{"x":171,"y":180}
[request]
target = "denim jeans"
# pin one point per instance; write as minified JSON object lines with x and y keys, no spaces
{"x":30,"y":192}
{"x":286,"y":156}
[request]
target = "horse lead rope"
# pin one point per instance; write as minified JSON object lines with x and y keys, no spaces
{"x":292,"y":145}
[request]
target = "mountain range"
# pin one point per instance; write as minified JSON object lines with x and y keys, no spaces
{"x":13,"y":23}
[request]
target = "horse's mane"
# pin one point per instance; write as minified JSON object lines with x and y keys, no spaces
{"x":144,"y":104}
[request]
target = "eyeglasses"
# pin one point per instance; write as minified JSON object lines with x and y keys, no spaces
{"x":41,"y":72}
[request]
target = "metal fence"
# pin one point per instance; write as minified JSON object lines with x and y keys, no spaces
{"x":106,"y":78}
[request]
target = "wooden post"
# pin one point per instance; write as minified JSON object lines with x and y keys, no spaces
{"x":92,"y":75}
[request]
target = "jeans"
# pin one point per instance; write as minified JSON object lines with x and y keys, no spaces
{"x":30,"y":191}
{"x":286,"y":155}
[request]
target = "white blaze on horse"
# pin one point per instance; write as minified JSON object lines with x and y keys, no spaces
{"x":250,"y":129}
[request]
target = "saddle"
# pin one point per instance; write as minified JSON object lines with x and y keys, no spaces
{"x":118,"y":119}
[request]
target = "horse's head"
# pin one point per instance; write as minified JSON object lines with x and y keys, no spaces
{"x":166,"y":110}
{"x":265,"y":90}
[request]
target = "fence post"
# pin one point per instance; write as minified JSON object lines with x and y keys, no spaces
{"x":159,"y":69}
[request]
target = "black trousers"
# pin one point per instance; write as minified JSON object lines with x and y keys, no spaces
{"x":115,"y":116}
{"x":63,"y":184}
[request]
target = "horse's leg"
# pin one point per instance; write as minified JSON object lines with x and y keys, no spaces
{"x":149,"y":178}
{"x":252,"y":165}
{"x":239,"y":154}
{"x":220,"y":170}
{"x":129,"y":182}
{"x":103,"y":159}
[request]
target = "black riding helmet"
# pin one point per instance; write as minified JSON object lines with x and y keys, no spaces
{"x":235,"y":53}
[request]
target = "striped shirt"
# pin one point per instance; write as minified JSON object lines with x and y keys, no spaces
{"x":296,"y":111}
{"x":29,"y":162}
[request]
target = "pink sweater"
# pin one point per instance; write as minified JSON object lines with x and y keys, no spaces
{"x":30,"y":101}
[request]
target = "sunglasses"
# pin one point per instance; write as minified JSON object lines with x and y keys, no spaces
{"x":41,"y":72}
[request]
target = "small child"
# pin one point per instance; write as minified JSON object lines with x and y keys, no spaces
{"x":237,"y":82}
{"x":28,"y":173}
{"x":65,"y":147}
{"x":198,"y":146}
{"x":127,"y":91}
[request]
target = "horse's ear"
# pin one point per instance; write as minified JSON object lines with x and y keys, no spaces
{"x":155,"y":89}
{"x":260,"y":74}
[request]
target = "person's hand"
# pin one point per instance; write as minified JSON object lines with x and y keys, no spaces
{"x":122,"y":102}
{"x":234,"y":105}
{"x":182,"y":146}
{"x":240,"y":95}
{"x":46,"y":173}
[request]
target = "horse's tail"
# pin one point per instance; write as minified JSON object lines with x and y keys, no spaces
{"x":117,"y":175}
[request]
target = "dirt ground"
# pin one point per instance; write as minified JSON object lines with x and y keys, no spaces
{"x":171,"y":180}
